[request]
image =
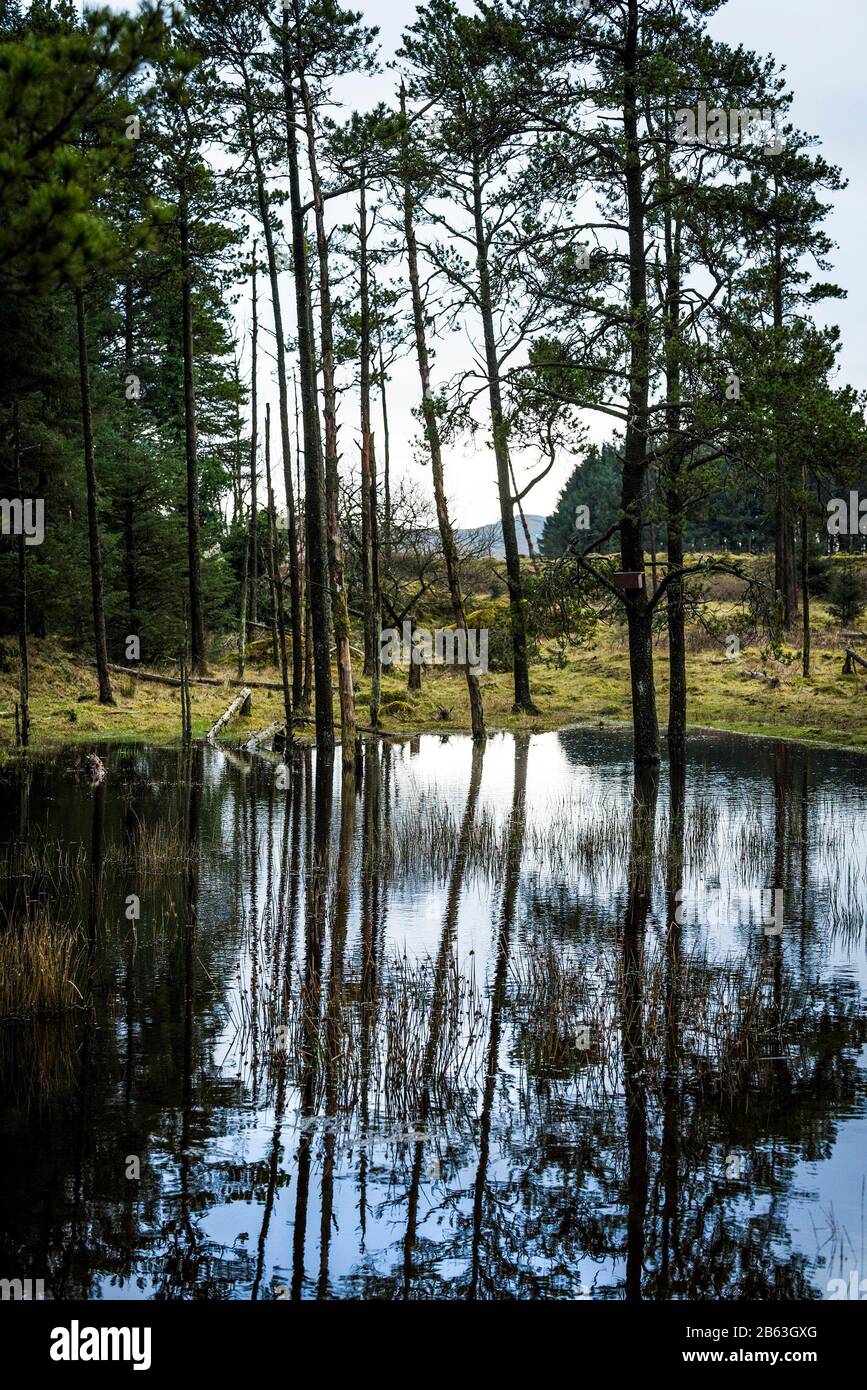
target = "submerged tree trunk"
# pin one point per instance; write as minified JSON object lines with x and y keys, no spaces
{"x":96,"y":589}
{"x":447,"y":538}
{"x":499,"y":990}
{"x":499,"y":431}
{"x":632,"y":1009}
{"x":197,"y":619}
{"x":318,"y":579}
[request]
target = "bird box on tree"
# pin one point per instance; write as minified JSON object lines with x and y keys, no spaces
{"x":629,"y":579}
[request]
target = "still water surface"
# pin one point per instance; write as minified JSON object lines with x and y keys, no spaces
{"x":490,"y":1028}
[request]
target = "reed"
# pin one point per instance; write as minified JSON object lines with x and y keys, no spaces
{"x":38,"y":965}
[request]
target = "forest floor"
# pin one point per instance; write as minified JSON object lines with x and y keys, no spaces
{"x":757,"y":693}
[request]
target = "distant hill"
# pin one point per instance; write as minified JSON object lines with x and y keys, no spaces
{"x":492,"y":534}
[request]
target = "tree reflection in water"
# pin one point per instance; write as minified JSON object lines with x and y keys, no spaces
{"x":463,"y":1030}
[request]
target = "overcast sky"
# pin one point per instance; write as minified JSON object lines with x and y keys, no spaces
{"x":822,"y":49}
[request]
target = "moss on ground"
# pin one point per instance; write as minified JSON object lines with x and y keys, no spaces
{"x":757,"y":693}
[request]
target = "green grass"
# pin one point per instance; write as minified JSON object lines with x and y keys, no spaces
{"x":755,"y":694}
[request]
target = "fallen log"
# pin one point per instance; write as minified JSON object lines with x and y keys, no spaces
{"x":143,"y":675}
{"x":852,"y":659}
{"x":240,"y":705}
{"x":194,"y":680}
{"x":263,"y":734}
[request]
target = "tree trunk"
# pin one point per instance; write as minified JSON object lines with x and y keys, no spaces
{"x":253,"y":592}
{"x":386,"y":471}
{"x":23,"y":647}
{"x":638,"y":613}
{"x":318,"y":580}
{"x":339,"y":610}
{"x":531,"y":553}
{"x":101,"y":651}
{"x":369,"y":539}
{"x":272,"y":547}
{"x":376,"y":674}
{"x":413,"y":680}
{"x":303,"y":574}
{"x":805,"y":572}
{"x":784,"y":530}
{"x":242,"y":618}
{"x":283,"y":394}
{"x":447,"y":538}
{"x":129,"y":565}
{"x":523,"y":701}
{"x":277,"y":607}
{"x":308,"y":645}
{"x":674,"y":501}
{"x":197,"y":620}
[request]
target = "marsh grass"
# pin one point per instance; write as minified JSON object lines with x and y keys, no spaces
{"x":37,"y":1065}
{"x":413,"y":1048}
{"x":160,"y":847}
{"x":574,"y":835}
{"x":718,"y":1017}
{"x":39,"y":960}
{"x":43,"y":866}
{"x":847,"y":895}
{"x":414,"y":1039}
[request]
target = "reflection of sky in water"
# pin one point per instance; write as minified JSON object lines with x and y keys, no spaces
{"x":725,"y":902}
{"x":752,"y":795}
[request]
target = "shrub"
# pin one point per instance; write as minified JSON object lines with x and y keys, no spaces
{"x":846,"y":600}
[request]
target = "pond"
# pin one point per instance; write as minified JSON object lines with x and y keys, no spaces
{"x":493,"y":1024}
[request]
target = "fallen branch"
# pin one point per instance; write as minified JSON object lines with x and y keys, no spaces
{"x":263,"y":734}
{"x":240,"y":704}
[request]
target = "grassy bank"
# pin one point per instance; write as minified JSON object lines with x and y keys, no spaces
{"x":756,"y":693}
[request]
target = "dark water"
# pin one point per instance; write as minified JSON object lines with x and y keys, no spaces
{"x":491,"y":1028}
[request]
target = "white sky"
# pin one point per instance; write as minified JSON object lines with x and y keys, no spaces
{"x":822,"y":49}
